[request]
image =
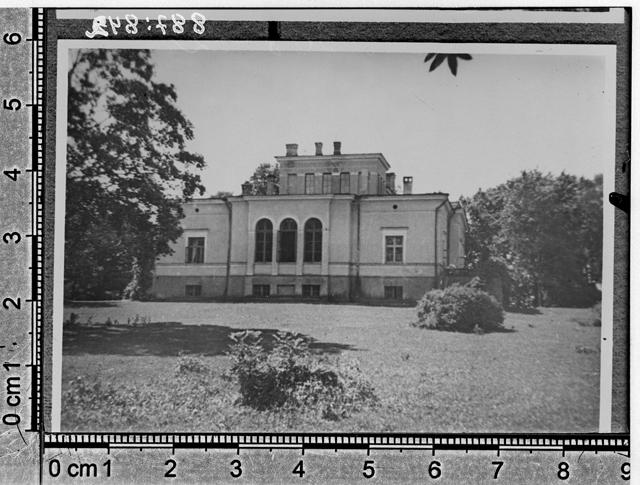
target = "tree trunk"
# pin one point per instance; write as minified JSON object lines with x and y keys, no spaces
{"x":141,"y":278}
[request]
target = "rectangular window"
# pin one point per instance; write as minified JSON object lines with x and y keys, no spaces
{"x":195,"y":250}
{"x":286,"y":290}
{"x":309,"y":180}
{"x":393,"y":248}
{"x":193,"y":290}
{"x":291,"y":183}
{"x":326,"y":183}
{"x":344,"y":182}
{"x":393,"y":292}
{"x":310,"y":290}
{"x":261,"y":290}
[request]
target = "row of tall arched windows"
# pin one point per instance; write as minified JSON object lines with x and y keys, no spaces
{"x":287,"y":241}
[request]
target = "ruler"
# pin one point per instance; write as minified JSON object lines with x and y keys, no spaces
{"x":30,"y":453}
{"x":22,"y":113}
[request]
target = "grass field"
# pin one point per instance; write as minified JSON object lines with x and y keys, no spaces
{"x":541,"y":376}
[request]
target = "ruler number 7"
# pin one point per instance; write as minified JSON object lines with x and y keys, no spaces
{"x":498,"y":465}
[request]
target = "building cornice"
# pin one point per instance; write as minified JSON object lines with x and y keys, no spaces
{"x":331,"y":158}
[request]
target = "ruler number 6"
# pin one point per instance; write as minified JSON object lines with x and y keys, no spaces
{"x":12,"y":38}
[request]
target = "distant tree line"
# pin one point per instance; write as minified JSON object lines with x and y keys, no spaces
{"x":537,"y":239}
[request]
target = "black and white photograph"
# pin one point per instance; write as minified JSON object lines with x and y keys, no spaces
{"x":333,"y":237}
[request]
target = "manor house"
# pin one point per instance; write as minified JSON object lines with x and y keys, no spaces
{"x":335,"y":227}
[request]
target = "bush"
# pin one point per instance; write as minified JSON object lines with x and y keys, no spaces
{"x":288,"y":375}
{"x":459,"y":308}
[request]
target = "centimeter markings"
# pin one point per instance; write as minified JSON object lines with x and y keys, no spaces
{"x":527,"y":442}
{"x":37,"y":216}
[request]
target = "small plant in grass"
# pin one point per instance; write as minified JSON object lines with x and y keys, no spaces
{"x":287,"y":375}
{"x":459,"y":308}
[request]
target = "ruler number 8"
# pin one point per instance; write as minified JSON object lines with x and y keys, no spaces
{"x":563,"y":470}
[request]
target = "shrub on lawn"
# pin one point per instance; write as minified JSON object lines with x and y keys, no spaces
{"x":287,"y":375}
{"x":459,"y":308}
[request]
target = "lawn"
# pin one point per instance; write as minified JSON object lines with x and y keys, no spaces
{"x":542,"y":376}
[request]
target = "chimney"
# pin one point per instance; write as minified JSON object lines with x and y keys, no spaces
{"x":318,"y":148}
{"x":246,"y":188}
{"x":292,"y":149}
{"x":407,"y":185}
{"x":336,"y":147}
{"x":391,"y":182}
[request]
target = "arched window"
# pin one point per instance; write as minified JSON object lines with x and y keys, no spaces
{"x":264,"y":241}
{"x":287,"y":241}
{"x":313,"y":241}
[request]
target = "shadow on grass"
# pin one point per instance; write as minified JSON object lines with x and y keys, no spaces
{"x":166,"y":339}
{"x":524,"y":311}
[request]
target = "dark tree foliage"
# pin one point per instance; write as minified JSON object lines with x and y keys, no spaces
{"x":541,"y":236}
{"x":128,"y":173}
{"x":265,"y":173}
{"x":452,"y":61}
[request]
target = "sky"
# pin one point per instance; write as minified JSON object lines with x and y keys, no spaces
{"x":502,"y":113}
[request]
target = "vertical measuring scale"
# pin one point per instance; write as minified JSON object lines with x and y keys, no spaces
{"x":21,"y":210}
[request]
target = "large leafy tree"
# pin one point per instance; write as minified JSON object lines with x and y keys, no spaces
{"x":128,"y":172}
{"x":541,"y":235}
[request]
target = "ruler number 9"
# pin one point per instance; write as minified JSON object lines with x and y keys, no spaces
{"x":625,"y":470}
{"x":12,"y":38}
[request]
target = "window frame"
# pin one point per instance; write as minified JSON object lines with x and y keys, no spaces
{"x":196,"y":291}
{"x":294,"y":232}
{"x":309,"y":188}
{"x":189,"y":257}
{"x":314,"y":253}
{"x":261,"y":294}
{"x":348,"y":179}
{"x":327,"y":183}
{"x":311,"y":290}
{"x":263,"y":242}
{"x":393,"y":290}
{"x":394,"y":232}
